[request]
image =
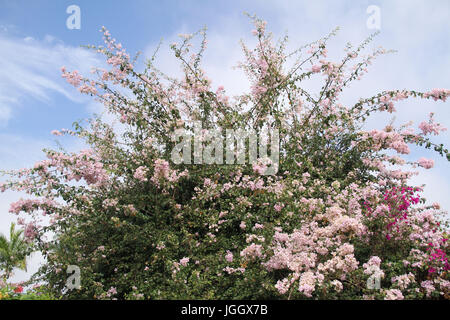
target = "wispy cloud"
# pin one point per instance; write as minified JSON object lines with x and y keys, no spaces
{"x":20,"y":151}
{"x":30,"y":70}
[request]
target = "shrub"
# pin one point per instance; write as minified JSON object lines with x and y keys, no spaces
{"x":338,"y":214}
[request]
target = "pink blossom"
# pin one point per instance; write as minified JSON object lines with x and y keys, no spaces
{"x":426,"y":163}
{"x":252,"y":251}
{"x":278,"y":207}
{"x":316,"y":68}
{"x":56,"y":133}
{"x":258,"y":226}
{"x":229,"y":256}
{"x":184,"y":261}
{"x":283,"y":285}
{"x":140,"y":174}
{"x":393,"y":294}
{"x":74,"y":78}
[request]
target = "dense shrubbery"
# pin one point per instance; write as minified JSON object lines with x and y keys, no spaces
{"x":336,"y":213}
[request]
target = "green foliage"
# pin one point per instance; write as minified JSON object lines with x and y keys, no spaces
{"x":13,"y":252}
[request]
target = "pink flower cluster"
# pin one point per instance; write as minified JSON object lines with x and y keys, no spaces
{"x":229,"y":256}
{"x":395,"y":205}
{"x":74,"y":78}
{"x":184,"y":261}
{"x":437,"y":94}
{"x":431,"y":126}
{"x":141,"y":174}
{"x":404,"y":280}
{"x":252,"y":252}
{"x":426,"y":163}
{"x":162,"y":172}
{"x":389,"y":140}
{"x":83,"y":165}
{"x":393,"y":294}
{"x":437,"y":257}
{"x":30,"y":231}
{"x":30,"y":205}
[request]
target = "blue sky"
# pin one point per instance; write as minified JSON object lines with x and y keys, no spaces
{"x":35,"y":43}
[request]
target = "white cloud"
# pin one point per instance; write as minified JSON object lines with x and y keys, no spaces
{"x":31,"y":69}
{"x":19,"y":151}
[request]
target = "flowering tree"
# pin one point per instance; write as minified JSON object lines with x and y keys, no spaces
{"x":338,"y":220}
